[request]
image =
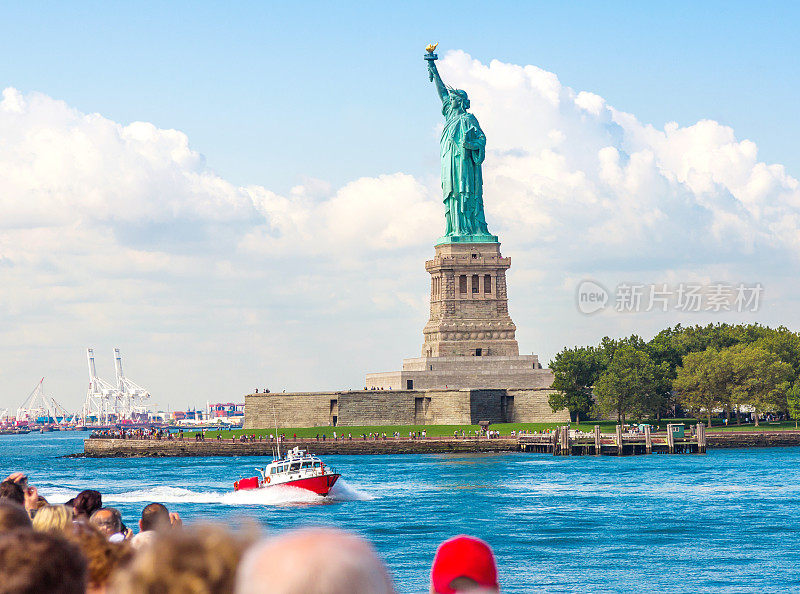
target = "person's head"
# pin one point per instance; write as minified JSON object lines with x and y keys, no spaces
{"x":35,"y":562}
{"x":13,"y":516}
{"x":108,"y":520}
{"x":464,"y":564}
{"x":154,"y":517}
{"x":200,"y":560}
{"x":343,"y":564}
{"x":38,"y":504}
{"x":102,"y":557}
{"x":12,"y":491}
{"x":52,"y":518}
{"x":86,"y":503}
{"x":458,"y":99}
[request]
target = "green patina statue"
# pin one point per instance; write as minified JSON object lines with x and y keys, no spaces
{"x":462,"y":150}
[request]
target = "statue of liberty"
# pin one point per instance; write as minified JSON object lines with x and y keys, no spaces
{"x":462,"y":151}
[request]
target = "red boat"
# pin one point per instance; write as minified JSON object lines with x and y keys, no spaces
{"x":297,"y":469}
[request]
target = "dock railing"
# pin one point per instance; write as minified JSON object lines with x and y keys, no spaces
{"x":564,"y":441}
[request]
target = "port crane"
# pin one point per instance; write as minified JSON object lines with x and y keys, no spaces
{"x":39,"y":407}
{"x":109,"y":403}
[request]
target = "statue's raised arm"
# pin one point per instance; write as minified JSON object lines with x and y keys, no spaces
{"x":437,"y":80}
{"x":433,"y":72}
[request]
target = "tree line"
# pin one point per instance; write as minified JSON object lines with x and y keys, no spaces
{"x":698,"y":369}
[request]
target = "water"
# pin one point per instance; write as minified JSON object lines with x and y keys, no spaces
{"x":726,"y":521}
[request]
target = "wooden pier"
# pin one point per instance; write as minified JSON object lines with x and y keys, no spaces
{"x":567,"y":442}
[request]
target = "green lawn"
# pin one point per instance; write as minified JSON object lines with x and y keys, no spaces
{"x":432,"y":430}
{"x":762,"y":426}
{"x":504,"y":428}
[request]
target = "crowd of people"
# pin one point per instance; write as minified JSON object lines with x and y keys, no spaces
{"x":83,"y":547}
{"x":136,"y":433}
{"x":200,"y":435}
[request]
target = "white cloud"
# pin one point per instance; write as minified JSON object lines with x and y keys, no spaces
{"x":123,"y":235}
{"x":389,"y":212}
{"x":562,"y":162}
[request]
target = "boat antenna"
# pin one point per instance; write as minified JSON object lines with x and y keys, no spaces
{"x":277,"y":437}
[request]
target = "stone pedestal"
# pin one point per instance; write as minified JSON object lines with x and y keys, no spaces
{"x":469,"y":303}
{"x":470,"y":340}
{"x":464,"y":373}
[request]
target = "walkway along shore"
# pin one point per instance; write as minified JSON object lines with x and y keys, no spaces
{"x":632,"y":444}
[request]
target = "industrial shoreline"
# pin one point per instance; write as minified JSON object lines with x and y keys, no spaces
{"x":139,"y":448}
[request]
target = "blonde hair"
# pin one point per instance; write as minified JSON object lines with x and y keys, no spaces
{"x":54,"y":519}
{"x":195,"y":560}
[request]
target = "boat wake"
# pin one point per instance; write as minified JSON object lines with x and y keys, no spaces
{"x":277,"y":496}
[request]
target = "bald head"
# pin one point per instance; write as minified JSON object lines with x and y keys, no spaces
{"x":313,"y":561}
{"x":108,"y":520}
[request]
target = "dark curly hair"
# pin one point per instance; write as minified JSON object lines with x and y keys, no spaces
{"x":11,"y":491}
{"x":87,"y":502}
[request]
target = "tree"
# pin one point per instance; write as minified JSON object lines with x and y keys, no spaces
{"x":608,"y":347}
{"x":663,"y":348}
{"x":575,"y":371}
{"x":702,"y":382}
{"x":785,"y":344}
{"x":793,"y":401}
{"x":628,"y":384}
{"x":761,"y":378}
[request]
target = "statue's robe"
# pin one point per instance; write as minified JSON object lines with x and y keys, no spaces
{"x":463,"y":149}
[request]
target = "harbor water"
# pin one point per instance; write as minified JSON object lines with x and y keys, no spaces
{"x":725,"y":521}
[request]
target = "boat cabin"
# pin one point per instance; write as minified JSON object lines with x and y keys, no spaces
{"x":295,"y":464}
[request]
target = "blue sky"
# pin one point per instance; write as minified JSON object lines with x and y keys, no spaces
{"x":316,"y":79}
{"x":258,"y":193}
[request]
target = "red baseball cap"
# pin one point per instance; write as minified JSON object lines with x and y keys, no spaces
{"x":463,"y":556}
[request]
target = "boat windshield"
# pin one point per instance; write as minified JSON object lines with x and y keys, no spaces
{"x":294,"y":466}
{"x":306,"y":465}
{"x":316,"y":464}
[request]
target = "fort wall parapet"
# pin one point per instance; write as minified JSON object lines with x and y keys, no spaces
{"x":400,"y":407}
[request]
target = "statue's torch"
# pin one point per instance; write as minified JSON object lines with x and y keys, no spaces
{"x":430,"y":56}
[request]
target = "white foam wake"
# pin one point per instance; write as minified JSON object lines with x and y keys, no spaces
{"x":277,"y":495}
{"x":344,"y":491}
